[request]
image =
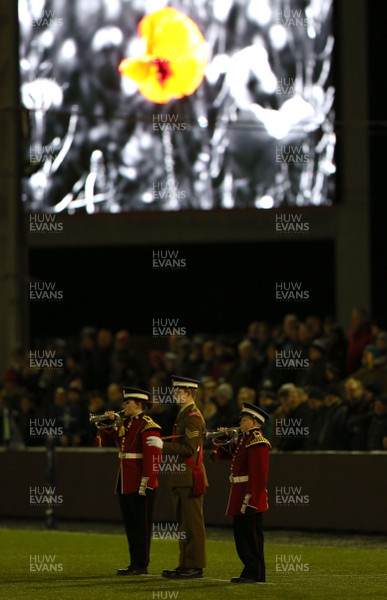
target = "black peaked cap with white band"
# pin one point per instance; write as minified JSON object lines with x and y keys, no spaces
{"x":131,"y":393}
{"x":184,"y":382}
{"x":250,"y":410}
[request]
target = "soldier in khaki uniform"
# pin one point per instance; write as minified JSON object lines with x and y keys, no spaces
{"x":187,"y":479}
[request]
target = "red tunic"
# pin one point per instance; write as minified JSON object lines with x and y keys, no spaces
{"x":249,"y":472}
{"x":131,"y":440}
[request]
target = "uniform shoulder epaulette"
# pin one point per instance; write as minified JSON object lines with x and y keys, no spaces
{"x":150,"y":423}
{"x":258,"y":439}
{"x":194,"y":413}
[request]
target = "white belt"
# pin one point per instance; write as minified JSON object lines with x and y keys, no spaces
{"x":130,"y":455}
{"x":239,"y":479}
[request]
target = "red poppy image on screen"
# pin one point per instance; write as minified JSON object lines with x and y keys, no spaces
{"x":174,"y":59}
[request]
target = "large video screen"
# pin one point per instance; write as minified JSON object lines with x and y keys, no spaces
{"x":148,"y":105}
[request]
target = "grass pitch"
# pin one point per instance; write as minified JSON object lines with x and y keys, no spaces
{"x":81,"y":566}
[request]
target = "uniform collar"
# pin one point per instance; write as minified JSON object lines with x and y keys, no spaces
{"x":182,"y":410}
{"x":133,"y":417}
{"x":252,"y":430}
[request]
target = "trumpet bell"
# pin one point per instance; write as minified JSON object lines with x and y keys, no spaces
{"x":105,"y":422}
{"x":221,"y":438}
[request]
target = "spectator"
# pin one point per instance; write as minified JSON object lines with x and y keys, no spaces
{"x":268,"y":401}
{"x":27,"y":411}
{"x":60,"y":414}
{"x":297,"y":420}
{"x":184,"y":365}
{"x":358,"y":415}
{"x":259,"y":334}
{"x":122,"y":374}
{"x":333,"y":434}
{"x":359,"y":336}
{"x":245,"y":394}
{"x":381,"y":342}
{"x":96,"y":406}
{"x":164,"y":409}
{"x":12,"y":392}
{"x":78,"y":411}
{"x":156,"y":362}
{"x":272,"y":377}
{"x":114,"y":397}
{"x":372,"y":391}
{"x":247,"y":371}
{"x":86,"y":356}
{"x":333,"y":373}
{"x":314,"y":324}
{"x":228,"y":369}
{"x":209,"y":366}
{"x":315,"y":374}
{"x":72,"y":369}
{"x":377,"y":430}
{"x":227,"y":414}
{"x":196,"y":355}
{"x":336,"y":346}
{"x":316,"y":418}
{"x":170,"y":363}
{"x":211,"y":417}
{"x":123,"y":354}
{"x":290,"y":329}
{"x":10,"y":435}
{"x":374,"y":367}
{"x":209,"y":389}
{"x":305,"y":338}
{"x":282,"y":411}
{"x":103,"y":359}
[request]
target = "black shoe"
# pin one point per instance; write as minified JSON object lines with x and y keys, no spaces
{"x":181,"y":573}
{"x":124,"y":571}
{"x":191,"y":573}
{"x":138,"y":571}
{"x":171,"y":573}
{"x":242,"y":580}
{"x":133,"y":571}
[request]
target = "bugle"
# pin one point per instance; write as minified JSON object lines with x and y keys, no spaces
{"x":99,"y":420}
{"x":227,"y":435}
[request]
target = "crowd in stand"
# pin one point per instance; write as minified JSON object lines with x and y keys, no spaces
{"x":324,"y":389}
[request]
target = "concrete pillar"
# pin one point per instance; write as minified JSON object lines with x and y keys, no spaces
{"x":13,"y":271}
{"x":353,"y":283}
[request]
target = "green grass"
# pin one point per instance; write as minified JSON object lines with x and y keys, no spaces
{"x":90,"y":560}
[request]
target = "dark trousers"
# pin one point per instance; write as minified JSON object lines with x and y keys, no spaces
{"x":137,"y":514}
{"x":248,"y":536}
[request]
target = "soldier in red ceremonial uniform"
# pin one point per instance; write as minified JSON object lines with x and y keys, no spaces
{"x":137,"y":474}
{"x":187,"y":480}
{"x":249,"y":456}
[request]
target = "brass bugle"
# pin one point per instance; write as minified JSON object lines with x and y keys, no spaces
{"x":98,"y":420}
{"x":220,"y":438}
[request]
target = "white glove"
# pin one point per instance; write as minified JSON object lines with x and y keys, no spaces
{"x":153,"y":440}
